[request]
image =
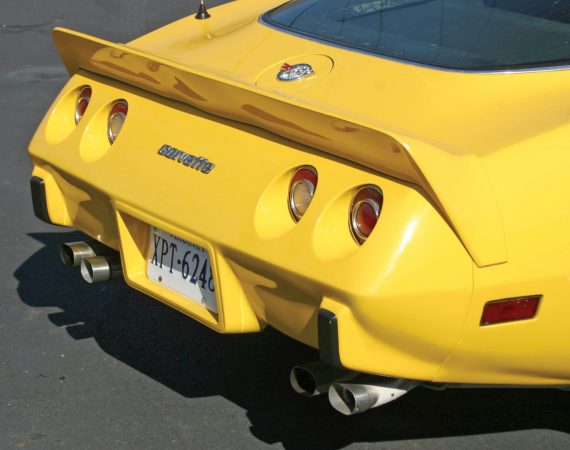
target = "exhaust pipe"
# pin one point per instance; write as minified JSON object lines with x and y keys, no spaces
{"x":101,"y":268}
{"x":315,"y":378}
{"x":367,"y":392}
{"x":72,"y":253}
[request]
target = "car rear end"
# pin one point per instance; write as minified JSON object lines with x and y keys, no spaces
{"x":369,"y":208}
{"x":214,"y":235}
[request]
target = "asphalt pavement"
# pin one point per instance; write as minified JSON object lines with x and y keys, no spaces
{"x":104,"y":367}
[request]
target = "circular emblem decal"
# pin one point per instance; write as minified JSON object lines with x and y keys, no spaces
{"x":294,"y":72}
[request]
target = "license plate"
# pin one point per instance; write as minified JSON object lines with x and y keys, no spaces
{"x":181,"y":266}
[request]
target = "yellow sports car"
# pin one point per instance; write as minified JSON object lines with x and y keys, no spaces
{"x":385,"y":180}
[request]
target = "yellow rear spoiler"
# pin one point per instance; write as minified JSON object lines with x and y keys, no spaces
{"x":458,"y":185}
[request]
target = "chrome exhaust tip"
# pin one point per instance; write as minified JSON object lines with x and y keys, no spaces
{"x":101,"y":268}
{"x":350,"y":400}
{"x":315,"y":378}
{"x":359,"y":396}
{"x":72,"y":253}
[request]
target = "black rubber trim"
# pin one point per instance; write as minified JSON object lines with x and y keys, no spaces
{"x":328,"y":338}
{"x":39,"y":201}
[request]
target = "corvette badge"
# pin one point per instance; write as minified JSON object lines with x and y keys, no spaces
{"x":294,"y":72}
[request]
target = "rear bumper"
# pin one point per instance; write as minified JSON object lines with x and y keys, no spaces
{"x":394,"y":306}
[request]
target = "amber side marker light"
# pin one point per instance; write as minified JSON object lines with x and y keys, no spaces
{"x":510,"y":310}
{"x":82,"y":102}
{"x":117,"y":119}
{"x":302,"y":190}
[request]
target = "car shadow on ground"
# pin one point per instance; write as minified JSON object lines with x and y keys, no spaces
{"x":252,"y":370}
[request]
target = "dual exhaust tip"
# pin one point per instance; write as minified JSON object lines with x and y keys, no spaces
{"x":98,"y":262}
{"x":349,"y":392}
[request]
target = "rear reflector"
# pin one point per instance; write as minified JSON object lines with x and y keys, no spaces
{"x":510,"y":310}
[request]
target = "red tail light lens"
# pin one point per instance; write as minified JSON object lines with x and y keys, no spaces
{"x":117,"y":119}
{"x":365,"y":211}
{"x":82,"y":103}
{"x":510,"y":310}
{"x":301,"y":191}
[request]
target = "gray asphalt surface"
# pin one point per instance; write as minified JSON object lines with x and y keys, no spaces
{"x":104,"y":367}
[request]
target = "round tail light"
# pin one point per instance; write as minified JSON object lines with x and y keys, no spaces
{"x":117,"y":119}
{"x":365,"y":211}
{"x":301,"y":191}
{"x":82,"y":103}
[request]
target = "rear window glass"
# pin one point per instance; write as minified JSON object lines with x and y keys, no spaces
{"x":456,"y":34}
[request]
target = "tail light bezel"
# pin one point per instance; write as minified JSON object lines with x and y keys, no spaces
{"x":297,"y":215}
{"x":376,"y":205}
{"x":84,"y":95}
{"x":119,"y":107}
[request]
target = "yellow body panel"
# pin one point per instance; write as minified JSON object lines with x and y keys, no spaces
{"x":472,"y":167}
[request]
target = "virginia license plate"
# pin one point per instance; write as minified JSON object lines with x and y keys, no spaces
{"x":181,"y":266}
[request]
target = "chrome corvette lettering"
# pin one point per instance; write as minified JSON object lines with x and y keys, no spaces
{"x":182,"y":159}
{"x":194,"y":162}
